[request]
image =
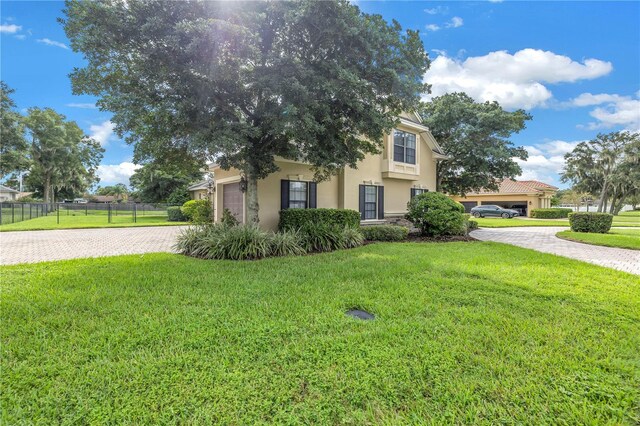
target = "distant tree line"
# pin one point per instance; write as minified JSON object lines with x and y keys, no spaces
{"x":58,"y":159}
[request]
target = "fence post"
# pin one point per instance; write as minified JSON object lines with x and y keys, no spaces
{"x":22,"y":215}
{"x":13,"y":214}
{"x":0,"y":213}
{"x":134,"y":213}
{"x":86,"y":209}
{"x":30,"y":205}
{"x":58,"y":215}
{"x":109,"y":213}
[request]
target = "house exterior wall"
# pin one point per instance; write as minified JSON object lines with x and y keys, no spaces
{"x":199,"y":194}
{"x":8,"y":196}
{"x":342,"y":191}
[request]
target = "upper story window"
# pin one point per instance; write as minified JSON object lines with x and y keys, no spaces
{"x":404,"y":147}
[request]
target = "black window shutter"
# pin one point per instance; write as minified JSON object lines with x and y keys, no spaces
{"x":313,"y":195}
{"x":284,"y":194}
{"x":381,"y":202}
{"x":361,"y":202}
{"x":413,"y":192}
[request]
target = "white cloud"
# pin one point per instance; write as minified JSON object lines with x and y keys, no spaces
{"x":455,"y":22}
{"x":432,"y":27}
{"x":436,"y":10}
{"x":116,"y":173}
{"x":514,"y":80}
{"x":20,"y":36}
{"x":613,"y":110}
{"x":546,"y":160}
{"x":102,"y":132}
{"x":10,"y":28}
{"x":81,"y":105}
{"x":52,"y":43}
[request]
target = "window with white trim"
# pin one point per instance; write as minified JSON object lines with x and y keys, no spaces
{"x":404,"y":147}
{"x":418,"y":191}
{"x":370,"y":202}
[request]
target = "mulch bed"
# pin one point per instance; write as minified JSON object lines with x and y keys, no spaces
{"x":417,"y":238}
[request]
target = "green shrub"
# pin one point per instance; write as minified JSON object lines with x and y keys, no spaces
{"x":550,"y":213}
{"x":436,"y":214}
{"x":228,"y":219}
{"x":174,"y":214}
{"x":470,"y":225}
{"x":243,"y":242}
{"x":590,"y":222}
{"x":384,"y":233}
{"x":299,"y":218}
{"x":320,"y":237}
{"x":197,"y":211}
{"x":287,"y":243}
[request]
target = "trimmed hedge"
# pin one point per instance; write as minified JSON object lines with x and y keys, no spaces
{"x":550,"y":213}
{"x":300,"y":218}
{"x":174,"y":214}
{"x":384,"y":233}
{"x":590,"y":222}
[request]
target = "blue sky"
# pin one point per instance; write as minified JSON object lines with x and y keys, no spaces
{"x":575,"y":66}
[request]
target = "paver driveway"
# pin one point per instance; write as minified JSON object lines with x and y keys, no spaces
{"x":544,"y":239}
{"x":40,"y":246}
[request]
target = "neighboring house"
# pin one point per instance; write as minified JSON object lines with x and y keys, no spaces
{"x":379,"y":188}
{"x":8,"y":194}
{"x":522,"y":195}
{"x":104,"y":199}
{"x":198,"y":191}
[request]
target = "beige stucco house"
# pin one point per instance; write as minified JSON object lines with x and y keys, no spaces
{"x":379,"y":188}
{"x":522,"y":195}
{"x":199,"y":190}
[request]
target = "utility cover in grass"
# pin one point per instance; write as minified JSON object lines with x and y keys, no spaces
{"x":360,"y":314}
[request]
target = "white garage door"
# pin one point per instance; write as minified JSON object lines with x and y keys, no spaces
{"x":233,"y":199}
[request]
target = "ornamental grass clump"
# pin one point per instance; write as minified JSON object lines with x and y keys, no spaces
{"x":436,"y":215}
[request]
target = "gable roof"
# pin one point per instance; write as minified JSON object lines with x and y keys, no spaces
{"x":7,"y":189}
{"x":509,"y":186}
{"x":203,"y":184}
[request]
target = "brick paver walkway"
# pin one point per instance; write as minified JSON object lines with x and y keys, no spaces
{"x":40,"y":246}
{"x":543,"y":239}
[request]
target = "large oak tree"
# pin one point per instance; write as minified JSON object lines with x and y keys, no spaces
{"x":475,"y":136}
{"x":244,"y":82}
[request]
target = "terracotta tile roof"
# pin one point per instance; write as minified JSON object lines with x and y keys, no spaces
{"x":509,"y":186}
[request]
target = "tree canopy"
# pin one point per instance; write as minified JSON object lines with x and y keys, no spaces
{"x":608,"y":165}
{"x":63,"y":159}
{"x":166,"y":179}
{"x":13,"y":144}
{"x":245,"y":82}
{"x":476,"y":138}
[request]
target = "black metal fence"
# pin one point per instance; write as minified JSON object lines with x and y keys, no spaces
{"x":82,"y":212}
{"x":17,"y":212}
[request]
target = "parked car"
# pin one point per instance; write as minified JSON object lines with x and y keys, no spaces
{"x":491,"y":210}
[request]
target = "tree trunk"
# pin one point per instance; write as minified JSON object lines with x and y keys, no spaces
{"x":613,"y":201}
{"x":46,"y":189}
{"x":603,"y":197}
{"x":252,"y":199}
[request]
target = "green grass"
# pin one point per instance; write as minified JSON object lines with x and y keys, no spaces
{"x":81,"y":221}
{"x":635,"y":213}
{"x":618,"y":221}
{"x":623,"y":238}
{"x":480,"y":333}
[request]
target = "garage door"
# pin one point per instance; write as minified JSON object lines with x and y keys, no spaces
{"x":468,"y":205}
{"x":233,"y":199}
{"x":519,"y":206}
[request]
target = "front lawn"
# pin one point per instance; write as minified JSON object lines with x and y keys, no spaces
{"x":623,"y":238}
{"x":464,"y":333}
{"x":82,"y":221}
{"x":490,"y":222}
